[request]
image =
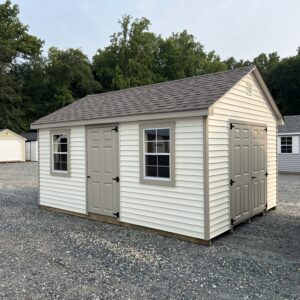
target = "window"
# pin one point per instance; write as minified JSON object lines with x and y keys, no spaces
{"x":157,"y":144}
{"x":286,"y":144}
{"x":60,"y":153}
{"x":157,"y":152}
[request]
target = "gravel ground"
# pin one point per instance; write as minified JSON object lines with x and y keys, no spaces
{"x":45,"y":255}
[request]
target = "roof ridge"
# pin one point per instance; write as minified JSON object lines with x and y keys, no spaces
{"x":251,"y":67}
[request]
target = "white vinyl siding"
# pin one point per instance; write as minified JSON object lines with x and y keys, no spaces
{"x":67,"y":193}
{"x":236,"y":104}
{"x":289,"y":162}
{"x":176,"y":209}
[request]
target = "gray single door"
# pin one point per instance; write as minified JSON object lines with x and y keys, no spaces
{"x":248,"y":169}
{"x":102,"y":170}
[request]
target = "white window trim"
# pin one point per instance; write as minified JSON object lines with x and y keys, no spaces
{"x":157,"y":153}
{"x":294,"y":145}
{"x":59,"y":172}
{"x":158,"y":180}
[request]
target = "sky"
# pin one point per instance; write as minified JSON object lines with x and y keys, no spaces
{"x":239,"y":28}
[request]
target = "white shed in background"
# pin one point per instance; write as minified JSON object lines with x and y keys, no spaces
{"x":189,"y":158}
{"x":12,"y":146}
{"x":31,"y":146}
{"x":288,"y":145}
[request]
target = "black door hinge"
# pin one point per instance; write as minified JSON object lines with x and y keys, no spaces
{"x":117,"y":214}
{"x":266,"y":174}
{"x":116,"y":129}
{"x":266,"y":129}
{"x":232,"y":221}
{"x":231,"y":125}
{"x":117,"y":179}
{"x":232,"y":182}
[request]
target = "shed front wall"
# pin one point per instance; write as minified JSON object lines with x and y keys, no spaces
{"x":7,"y":135}
{"x":68,"y":193}
{"x":178,"y":209}
{"x":236,"y":105}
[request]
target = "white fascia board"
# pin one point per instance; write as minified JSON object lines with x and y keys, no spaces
{"x":288,"y":133}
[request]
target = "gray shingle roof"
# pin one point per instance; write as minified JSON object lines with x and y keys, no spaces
{"x":29,"y":136}
{"x":194,"y":93}
{"x":292,"y":124}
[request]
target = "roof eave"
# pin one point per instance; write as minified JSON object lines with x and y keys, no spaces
{"x":123,"y":119}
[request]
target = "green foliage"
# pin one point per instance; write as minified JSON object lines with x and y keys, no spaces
{"x":15,"y":45}
{"x":32,"y":85}
{"x":130,"y":58}
{"x":283,"y":80}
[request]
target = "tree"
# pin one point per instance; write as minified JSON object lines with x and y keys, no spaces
{"x":16,"y":48}
{"x":57,"y":80}
{"x":69,"y":76}
{"x":265,"y":62}
{"x":130,"y":58}
{"x":181,"y":56}
{"x":284,"y":82}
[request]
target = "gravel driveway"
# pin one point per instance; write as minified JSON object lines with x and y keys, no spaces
{"x":54,"y":256}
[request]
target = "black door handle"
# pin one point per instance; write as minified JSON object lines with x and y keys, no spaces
{"x":117,"y":179}
{"x":88,"y":176}
{"x":253,"y":177}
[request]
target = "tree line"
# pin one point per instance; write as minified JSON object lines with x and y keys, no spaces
{"x":33,"y":84}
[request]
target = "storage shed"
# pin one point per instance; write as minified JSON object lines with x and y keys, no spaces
{"x":190,"y":157}
{"x":12,"y":146}
{"x":288,"y":145}
{"x":31,"y":146}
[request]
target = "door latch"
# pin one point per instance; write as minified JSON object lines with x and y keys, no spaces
{"x":253,"y":177}
{"x":266,"y":174}
{"x":117,"y":179}
{"x":117,"y":214}
{"x":116,"y":129}
{"x":88,"y":176}
{"x":231,"y":125}
{"x":232,"y":182}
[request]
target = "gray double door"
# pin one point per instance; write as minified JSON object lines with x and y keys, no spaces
{"x":248,"y":163}
{"x":102,"y":170}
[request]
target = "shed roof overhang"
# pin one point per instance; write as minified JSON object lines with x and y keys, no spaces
{"x":132,"y":118}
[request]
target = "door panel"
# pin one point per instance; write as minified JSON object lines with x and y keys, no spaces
{"x":259,"y":161}
{"x":240,"y":141}
{"x":248,"y":168}
{"x":103,"y":191}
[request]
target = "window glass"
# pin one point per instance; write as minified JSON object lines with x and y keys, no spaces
{"x":157,"y":153}
{"x":286,"y":144}
{"x":60,"y":152}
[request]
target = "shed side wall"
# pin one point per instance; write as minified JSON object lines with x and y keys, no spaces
{"x":176,"y":209}
{"x":236,"y":104}
{"x":67,"y":193}
{"x":288,"y":162}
